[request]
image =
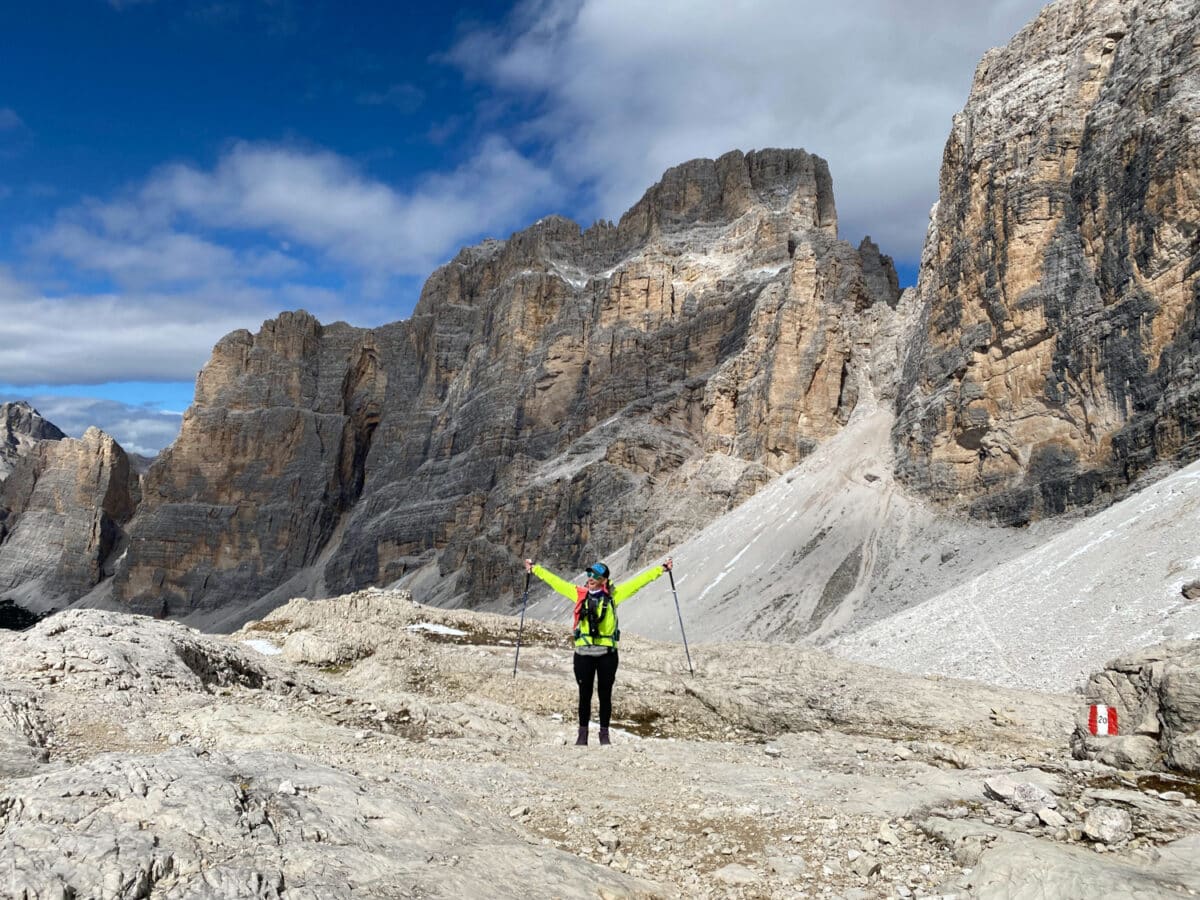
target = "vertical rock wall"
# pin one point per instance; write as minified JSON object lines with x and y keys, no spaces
{"x":1061,"y":276}
{"x":270,"y":455}
{"x":66,"y":505}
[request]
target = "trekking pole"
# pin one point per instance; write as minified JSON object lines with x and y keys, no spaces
{"x":671,"y":575}
{"x":522,"y":626}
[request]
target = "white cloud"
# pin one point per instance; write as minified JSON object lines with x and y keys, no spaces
{"x":138,"y":429}
{"x":629,"y":89}
{"x":181,"y":224}
{"x":160,"y":259}
{"x":141,"y":335}
{"x":319,"y":200}
{"x":88,"y":339}
{"x":138,"y":336}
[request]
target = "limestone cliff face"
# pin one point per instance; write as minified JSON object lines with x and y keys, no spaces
{"x":21,"y":427}
{"x":560,"y":394}
{"x":1061,"y":278}
{"x":65,"y":505}
{"x":270,"y":455}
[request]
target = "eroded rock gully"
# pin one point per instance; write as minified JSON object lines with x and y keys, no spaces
{"x":387,"y":750}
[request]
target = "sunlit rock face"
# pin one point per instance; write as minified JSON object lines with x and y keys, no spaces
{"x":269,"y":457}
{"x":63,"y":512}
{"x":560,"y":394}
{"x":1061,"y":276}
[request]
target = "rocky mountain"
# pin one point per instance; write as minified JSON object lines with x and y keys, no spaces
{"x":21,"y":427}
{"x":573,"y":394}
{"x":369,"y":747}
{"x":1060,"y":284}
{"x":62,"y":515}
{"x":558,"y":394}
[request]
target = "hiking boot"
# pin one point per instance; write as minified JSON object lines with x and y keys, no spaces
{"x":581,"y":741}
{"x":604,"y":737}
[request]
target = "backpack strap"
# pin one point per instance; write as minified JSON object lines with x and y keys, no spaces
{"x":594,"y":616}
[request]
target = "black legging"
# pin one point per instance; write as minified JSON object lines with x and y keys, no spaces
{"x":586,"y":670}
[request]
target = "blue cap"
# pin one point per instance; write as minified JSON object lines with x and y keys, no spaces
{"x":597,"y":570}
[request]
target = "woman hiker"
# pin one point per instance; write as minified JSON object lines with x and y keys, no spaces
{"x":596,"y":633}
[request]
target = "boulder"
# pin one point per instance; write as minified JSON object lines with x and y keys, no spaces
{"x":1000,"y":787}
{"x":1156,"y":691}
{"x":1134,"y":751}
{"x":1107,"y":825}
{"x":1179,"y":701}
{"x":1051,"y":818}
{"x":1028,"y":798}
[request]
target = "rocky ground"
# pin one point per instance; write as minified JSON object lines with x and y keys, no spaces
{"x":387,"y":750}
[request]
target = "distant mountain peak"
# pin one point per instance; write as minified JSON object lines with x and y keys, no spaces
{"x":21,"y":427}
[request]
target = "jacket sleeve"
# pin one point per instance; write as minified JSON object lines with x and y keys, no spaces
{"x":560,"y":585}
{"x":627,"y":589}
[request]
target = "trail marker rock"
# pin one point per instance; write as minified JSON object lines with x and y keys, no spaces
{"x":1102,"y":720}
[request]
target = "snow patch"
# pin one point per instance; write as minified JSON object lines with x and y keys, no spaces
{"x":437,"y":629}
{"x":264,"y":647}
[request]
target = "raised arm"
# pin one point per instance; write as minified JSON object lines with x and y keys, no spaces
{"x":627,"y":589}
{"x":560,"y":585}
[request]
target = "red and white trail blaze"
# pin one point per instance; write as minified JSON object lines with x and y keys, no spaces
{"x":1102,"y":720}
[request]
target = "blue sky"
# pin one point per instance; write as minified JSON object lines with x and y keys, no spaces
{"x":171,"y":170}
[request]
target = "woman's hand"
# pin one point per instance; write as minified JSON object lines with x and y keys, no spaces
{"x":529,"y":565}
{"x":667,"y":565}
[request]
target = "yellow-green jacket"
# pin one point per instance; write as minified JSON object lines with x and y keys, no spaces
{"x":607,"y":633}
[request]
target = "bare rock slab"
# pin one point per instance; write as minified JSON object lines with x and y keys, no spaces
{"x":1006,"y":865}
{"x":185,"y":824}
